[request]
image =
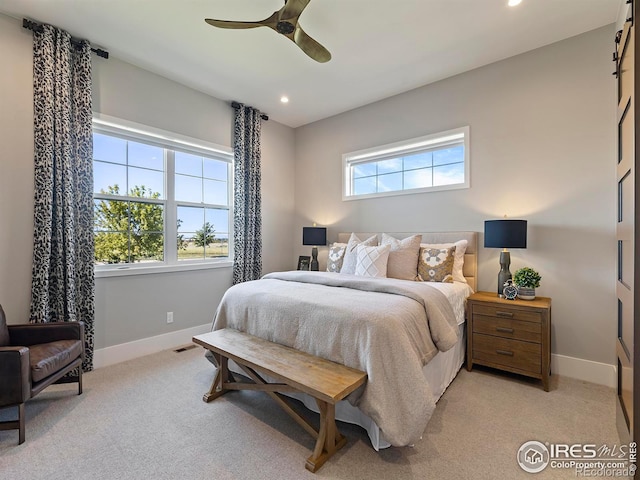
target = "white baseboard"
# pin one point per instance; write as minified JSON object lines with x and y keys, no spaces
{"x":586,"y":370}
{"x":104,"y":357}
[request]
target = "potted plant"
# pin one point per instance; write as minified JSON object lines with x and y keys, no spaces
{"x":527,"y":279}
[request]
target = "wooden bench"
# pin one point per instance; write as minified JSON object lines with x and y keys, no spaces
{"x":328,"y":382}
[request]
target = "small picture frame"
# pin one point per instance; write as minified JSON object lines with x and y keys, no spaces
{"x":303,"y":262}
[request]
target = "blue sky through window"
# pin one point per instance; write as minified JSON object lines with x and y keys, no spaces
{"x":443,"y":166}
{"x":193,"y":218}
{"x":128,"y":164}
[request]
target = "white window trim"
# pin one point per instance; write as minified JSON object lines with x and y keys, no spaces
{"x":391,"y":150}
{"x":137,"y":132}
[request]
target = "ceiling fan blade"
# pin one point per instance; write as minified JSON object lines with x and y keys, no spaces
{"x":310,"y":46}
{"x":293,"y":9}
{"x":231,"y":24}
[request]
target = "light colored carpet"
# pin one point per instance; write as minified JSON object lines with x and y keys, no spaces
{"x":145,"y":419}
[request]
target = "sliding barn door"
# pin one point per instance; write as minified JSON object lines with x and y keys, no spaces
{"x":627,"y":344}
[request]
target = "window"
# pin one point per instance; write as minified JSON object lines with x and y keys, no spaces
{"x":202,"y":199}
{"x":160,"y":199}
{"x":429,"y":163}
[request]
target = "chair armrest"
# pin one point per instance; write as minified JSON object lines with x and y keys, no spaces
{"x":35,"y":333}
{"x":15,"y":375}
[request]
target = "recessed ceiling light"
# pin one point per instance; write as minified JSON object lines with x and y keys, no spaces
{"x":284,"y":99}
{"x":513,"y":3}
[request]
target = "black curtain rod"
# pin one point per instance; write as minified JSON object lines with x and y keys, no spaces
{"x":236,"y":105}
{"x":37,"y":27}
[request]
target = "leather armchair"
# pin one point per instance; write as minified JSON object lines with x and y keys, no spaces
{"x":32,"y":357}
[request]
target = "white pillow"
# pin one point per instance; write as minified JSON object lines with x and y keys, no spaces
{"x":458,"y":262}
{"x":372,"y":261}
{"x":350,"y":257}
{"x":403,"y":256}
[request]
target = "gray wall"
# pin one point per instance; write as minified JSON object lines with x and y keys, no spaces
{"x":16,"y":169}
{"x":129,"y":307}
{"x":542,"y":148}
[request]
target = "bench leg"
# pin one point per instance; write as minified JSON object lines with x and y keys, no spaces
{"x":222,"y":377}
{"x":329,"y":439}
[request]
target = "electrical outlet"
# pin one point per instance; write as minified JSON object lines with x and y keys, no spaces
{"x":169,"y":317}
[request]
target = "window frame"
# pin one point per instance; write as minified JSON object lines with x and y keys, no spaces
{"x":431,"y":142}
{"x":169,"y":141}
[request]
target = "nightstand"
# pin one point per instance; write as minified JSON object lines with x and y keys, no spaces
{"x":510,"y":335}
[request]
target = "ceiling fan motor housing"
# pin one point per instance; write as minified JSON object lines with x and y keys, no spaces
{"x":285,"y":28}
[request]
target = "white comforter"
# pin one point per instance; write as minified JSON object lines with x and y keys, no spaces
{"x":388,"y":328}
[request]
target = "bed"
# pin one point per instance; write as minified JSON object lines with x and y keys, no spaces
{"x":373,"y":324}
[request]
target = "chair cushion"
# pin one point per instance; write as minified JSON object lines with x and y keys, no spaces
{"x":4,"y":330}
{"x":48,"y":358}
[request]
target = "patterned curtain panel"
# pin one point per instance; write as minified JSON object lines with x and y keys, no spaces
{"x":63,"y":280}
{"x":247,"y":222}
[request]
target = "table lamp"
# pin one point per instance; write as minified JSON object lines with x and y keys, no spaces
{"x":505,"y":234}
{"x":314,"y":236}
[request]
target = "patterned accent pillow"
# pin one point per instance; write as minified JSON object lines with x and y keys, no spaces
{"x":436,"y":264}
{"x":458,"y":263}
{"x":336,"y":257}
{"x":350,"y":257}
{"x":403,"y":256}
{"x":372,"y":261}
{"x":4,"y":330}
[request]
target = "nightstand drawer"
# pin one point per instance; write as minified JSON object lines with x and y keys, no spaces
{"x":507,"y":312}
{"x":502,"y":351}
{"x":507,"y":328}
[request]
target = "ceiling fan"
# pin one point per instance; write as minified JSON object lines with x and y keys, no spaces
{"x":285,"y":22}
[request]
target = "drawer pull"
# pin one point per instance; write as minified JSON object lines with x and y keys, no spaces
{"x":504,"y":329}
{"x":504,"y":352}
{"x":504,"y":314}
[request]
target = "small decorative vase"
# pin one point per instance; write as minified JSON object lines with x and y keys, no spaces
{"x":525,"y":293}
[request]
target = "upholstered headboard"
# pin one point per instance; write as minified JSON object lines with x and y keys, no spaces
{"x":470,"y":269}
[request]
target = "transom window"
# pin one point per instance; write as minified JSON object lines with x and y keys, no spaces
{"x":433,"y":162}
{"x":159,"y":198}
